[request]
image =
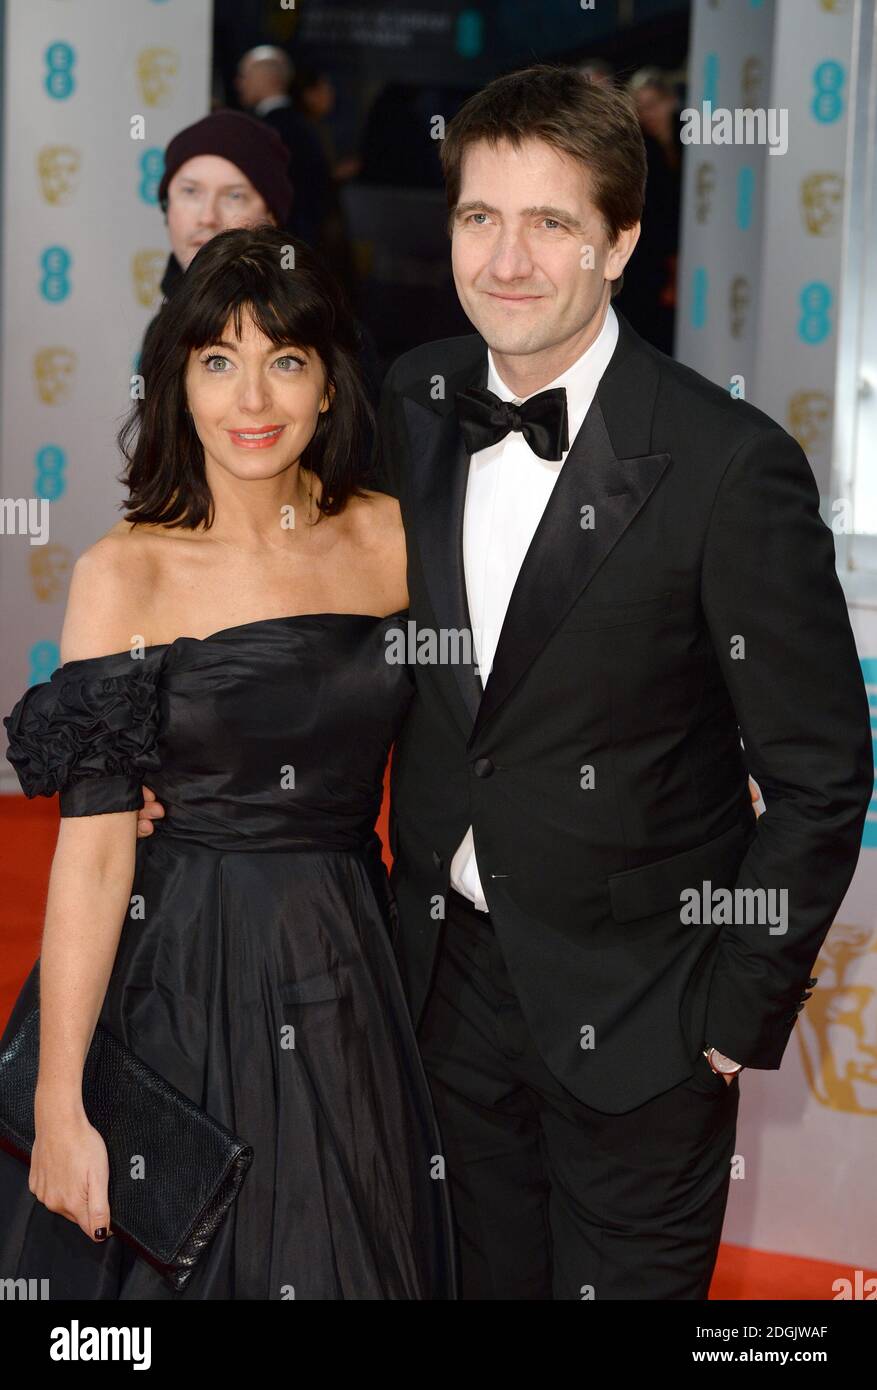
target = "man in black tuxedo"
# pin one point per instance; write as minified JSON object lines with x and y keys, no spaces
{"x":594,"y":931}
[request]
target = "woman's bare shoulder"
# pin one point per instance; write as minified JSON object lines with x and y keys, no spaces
{"x":124,"y":554}
{"x":138,"y":537}
{"x":110,"y":589}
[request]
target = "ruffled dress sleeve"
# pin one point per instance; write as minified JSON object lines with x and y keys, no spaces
{"x":89,"y":733}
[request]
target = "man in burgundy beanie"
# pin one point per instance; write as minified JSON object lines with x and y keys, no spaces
{"x":226,"y":170}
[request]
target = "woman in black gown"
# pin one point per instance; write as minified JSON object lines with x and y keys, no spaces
{"x":262,"y":716}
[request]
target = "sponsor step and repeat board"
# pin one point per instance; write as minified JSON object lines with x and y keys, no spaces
{"x":93,"y":90}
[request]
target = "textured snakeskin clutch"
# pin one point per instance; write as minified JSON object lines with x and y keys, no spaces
{"x":193,"y":1166}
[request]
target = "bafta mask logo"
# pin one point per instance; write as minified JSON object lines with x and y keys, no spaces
{"x":146,"y":271}
{"x":809,"y":420}
{"x":156,"y":70}
{"x":837,"y":1028}
{"x":835,"y":6}
{"x":739,"y":296}
{"x":822,"y":203}
{"x":58,"y":172}
{"x":50,"y":566}
{"x":53,"y":369}
{"x":704,"y":188}
{"x":750,"y":81}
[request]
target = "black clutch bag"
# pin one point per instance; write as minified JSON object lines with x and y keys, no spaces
{"x":194,"y":1165}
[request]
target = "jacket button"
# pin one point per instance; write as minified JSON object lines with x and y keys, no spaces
{"x":482,"y":767}
{"x":437,"y":859}
{"x":811,"y":983}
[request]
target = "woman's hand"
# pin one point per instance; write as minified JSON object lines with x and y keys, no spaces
{"x":70,"y":1172}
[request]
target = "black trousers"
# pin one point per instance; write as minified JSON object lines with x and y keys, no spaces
{"x":554,"y":1200}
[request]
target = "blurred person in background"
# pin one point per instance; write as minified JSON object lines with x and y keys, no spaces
{"x":649,"y":295}
{"x":396,"y":147}
{"x":226,"y":170}
{"x":313,"y":95}
{"x":263,"y":81}
{"x":598,"y":70}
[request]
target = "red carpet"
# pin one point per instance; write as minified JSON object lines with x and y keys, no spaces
{"x":27,"y":839}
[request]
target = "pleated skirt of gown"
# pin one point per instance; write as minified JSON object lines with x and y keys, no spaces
{"x":264,"y":986}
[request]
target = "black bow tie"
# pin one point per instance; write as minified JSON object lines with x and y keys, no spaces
{"x":485,"y":419}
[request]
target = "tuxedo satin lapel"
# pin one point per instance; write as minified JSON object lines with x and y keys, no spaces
{"x":563,"y":556}
{"x":439,"y":473}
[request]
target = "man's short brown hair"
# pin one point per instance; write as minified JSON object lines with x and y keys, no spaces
{"x":595,"y":124}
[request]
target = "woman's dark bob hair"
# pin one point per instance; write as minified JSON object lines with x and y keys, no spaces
{"x":242,"y":271}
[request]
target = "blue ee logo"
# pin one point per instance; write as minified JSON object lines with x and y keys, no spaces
{"x":699,"y":297}
{"x":45,"y":657}
{"x":745,"y":197}
{"x":59,"y":81}
{"x":828,"y":83}
{"x":55,"y":263}
{"x":151,"y":170}
{"x":470,"y":33}
{"x":814,"y":324}
{"x":50,"y":472}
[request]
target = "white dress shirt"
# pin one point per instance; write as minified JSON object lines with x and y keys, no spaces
{"x":271,"y":104}
{"x":506,"y":493}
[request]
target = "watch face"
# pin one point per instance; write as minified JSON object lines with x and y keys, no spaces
{"x":706,"y":1081}
{"x":725,"y":1067}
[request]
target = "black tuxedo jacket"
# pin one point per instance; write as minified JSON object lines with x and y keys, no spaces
{"x":602,"y":767}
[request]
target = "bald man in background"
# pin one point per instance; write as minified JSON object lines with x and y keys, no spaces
{"x":263,"y":82}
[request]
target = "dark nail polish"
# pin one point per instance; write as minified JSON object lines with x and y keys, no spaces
{"x":100,"y":1233}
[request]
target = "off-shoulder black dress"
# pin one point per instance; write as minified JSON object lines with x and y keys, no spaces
{"x":261,"y":901}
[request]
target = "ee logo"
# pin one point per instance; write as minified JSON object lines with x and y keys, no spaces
{"x":45,"y":657}
{"x":828,"y":81}
{"x":55,"y":263}
{"x":50,"y":467}
{"x":151,"y":170}
{"x":60,"y":81}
